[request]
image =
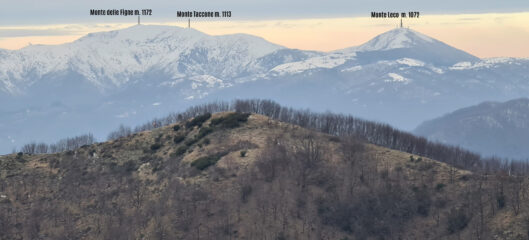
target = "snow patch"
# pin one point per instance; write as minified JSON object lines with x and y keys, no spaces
{"x":397,"y":38}
{"x":397,"y":78}
{"x":328,"y":61}
{"x":461,"y":66}
{"x":207,"y":81}
{"x":410,"y":62}
{"x":352,"y":69}
{"x":172,"y":83}
{"x":484,"y":63}
{"x":436,"y":70}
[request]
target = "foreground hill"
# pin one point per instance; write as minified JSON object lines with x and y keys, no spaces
{"x":490,"y":128}
{"x":242,"y":176}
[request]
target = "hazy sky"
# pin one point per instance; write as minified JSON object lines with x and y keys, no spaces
{"x":485,"y":28}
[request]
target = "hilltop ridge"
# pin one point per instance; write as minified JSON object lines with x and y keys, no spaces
{"x":240,"y":176}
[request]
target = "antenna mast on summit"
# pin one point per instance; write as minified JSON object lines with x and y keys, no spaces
{"x":138,"y":20}
{"x":189,"y":23}
{"x":401,"y":22}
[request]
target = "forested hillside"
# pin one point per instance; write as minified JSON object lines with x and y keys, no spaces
{"x":237,"y":175}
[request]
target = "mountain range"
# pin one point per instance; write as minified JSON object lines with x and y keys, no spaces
{"x":129,"y":76}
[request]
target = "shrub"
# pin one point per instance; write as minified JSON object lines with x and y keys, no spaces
{"x":158,"y":138}
{"x":176,"y":128}
{"x":457,"y":220}
{"x":198,"y":120}
{"x":181,"y":150}
{"x":439,"y":186}
{"x":155,"y":146}
{"x":204,"y":162}
{"x":206,"y":141}
{"x":216,"y":121}
{"x":130,"y":166}
{"x":179,"y":138}
{"x":243,"y":153}
{"x":423,"y":202}
{"x":231,"y":120}
{"x":203,"y":132}
{"x":191,"y":141}
{"x":156,"y":165}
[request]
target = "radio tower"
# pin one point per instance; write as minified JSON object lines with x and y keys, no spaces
{"x":189,"y":23}
{"x":138,"y":20}
{"x":401,"y":22}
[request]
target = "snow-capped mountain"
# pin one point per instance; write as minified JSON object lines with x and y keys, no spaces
{"x":116,"y":58}
{"x":490,"y":128}
{"x":401,"y":42}
{"x":395,"y":39}
{"x":129,"y":76}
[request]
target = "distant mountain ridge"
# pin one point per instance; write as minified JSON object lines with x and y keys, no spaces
{"x":131,"y":75}
{"x":490,"y":128}
{"x":111,"y":59}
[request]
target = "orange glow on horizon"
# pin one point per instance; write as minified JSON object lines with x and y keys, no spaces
{"x":483,"y":35}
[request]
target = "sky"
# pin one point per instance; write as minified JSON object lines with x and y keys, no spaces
{"x":485,"y":28}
